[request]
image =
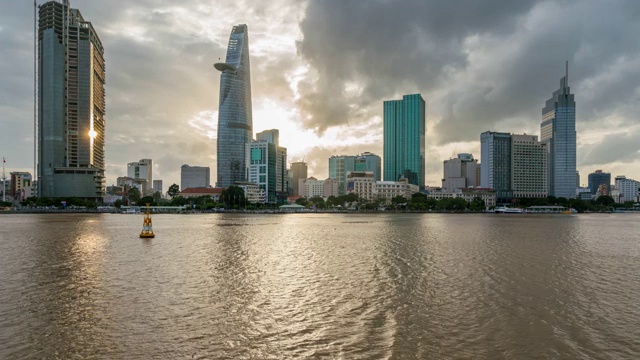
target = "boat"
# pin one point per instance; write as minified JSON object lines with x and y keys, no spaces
{"x":508,"y":210}
{"x":147,"y":228}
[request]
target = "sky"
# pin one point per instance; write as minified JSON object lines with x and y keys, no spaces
{"x":322,"y":69}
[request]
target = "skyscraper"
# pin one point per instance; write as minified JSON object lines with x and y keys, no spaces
{"x":599,"y":180}
{"x":297,"y":172}
{"x":339,"y":167}
{"x":71,"y":104}
{"x":268,"y":166}
{"x":404,"y":139}
{"x":558,"y":129}
{"x":461,"y":172}
{"x":369,"y":162}
{"x":235,"y":124}
{"x":495,"y":150}
{"x":529,"y":166}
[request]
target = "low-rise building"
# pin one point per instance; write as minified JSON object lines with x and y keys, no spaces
{"x":312,"y":187}
{"x":629,"y":189}
{"x":252,"y":192}
{"x":202,"y":191}
{"x":487,"y":195}
{"x":127,"y":183}
{"x":364,"y":185}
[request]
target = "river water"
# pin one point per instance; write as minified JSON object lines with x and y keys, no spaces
{"x":335,"y":286}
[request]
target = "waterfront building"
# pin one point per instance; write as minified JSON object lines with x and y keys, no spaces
{"x":529,"y":167}
{"x":387,"y":190}
{"x":598,"y":179}
{"x":368,"y":161}
{"x":252,"y":192}
{"x":194,"y":192}
{"x":157,"y":186}
{"x":461,"y":172}
{"x":495,"y":149}
{"x":71,"y":104}
{"x":313,"y":187}
{"x":127,"y":182}
{"x":298,"y":171}
{"x":558,"y":129}
{"x":404,"y":139}
{"x":194,"y":176}
{"x":339,"y":167}
{"x":584,"y":193}
{"x":142,"y":169}
{"x":487,"y":195}
{"x":267,"y":169}
{"x":362,"y":183}
{"x":629,"y":189}
{"x":20,"y":186}
{"x":281,"y":185}
{"x":235,"y":123}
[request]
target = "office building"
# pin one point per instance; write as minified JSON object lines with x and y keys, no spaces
{"x":404,"y":139}
{"x":268,"y":166}
{"x":529,"y":167}
{"x":628,"y":189}
{"x":157,"y":186}
{"x":127,"y":182}
{"x":599,"y":180}
{"x":319,"y":188}
{"x":21,"y":185}
{"x":142,"y":169}
{"x":369,"y":162}
{"x":71,"y":104}
{"x":339,"y":167}
{"x":235,"y":124}
{"x":461,"y":172}
{"x":194,"y":177}
{"x":558,"y":129}
{"x":495,"y":150}
{"x":297,"y":172}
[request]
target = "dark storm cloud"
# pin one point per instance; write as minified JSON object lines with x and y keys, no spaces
{"x":481,"y":65}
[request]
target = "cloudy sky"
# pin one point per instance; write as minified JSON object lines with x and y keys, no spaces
{"x":321,"y":70}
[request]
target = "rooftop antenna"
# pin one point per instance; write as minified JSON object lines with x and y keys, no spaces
{"x":566,"y":72}
{"x":35,"y":89}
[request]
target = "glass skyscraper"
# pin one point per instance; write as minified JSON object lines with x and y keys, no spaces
{"x":558,"y":129}
{"x":235,"y":124}
{"x":404,"y":139}
{"x":495,"y":173}
{"x":71,"y":104}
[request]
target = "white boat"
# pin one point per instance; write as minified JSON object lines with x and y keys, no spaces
{"x":508,"y":210}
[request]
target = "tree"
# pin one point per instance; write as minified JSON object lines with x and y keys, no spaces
{"x":233,"y":196}
{"x":117,"y":203}
{"x":157,"y":197}
{"x":605,"y":200}
{"x":174,"y":189}
{"x":318,"y":202}
{"x":133,"y":195}
{"x":302,"y":201}
{"x":477,"y":204}
{"x":146,"y":200}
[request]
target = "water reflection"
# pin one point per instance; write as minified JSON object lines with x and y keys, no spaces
{"x":232,"y":286}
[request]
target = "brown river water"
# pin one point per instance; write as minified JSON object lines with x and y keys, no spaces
{"x":334,"y":286}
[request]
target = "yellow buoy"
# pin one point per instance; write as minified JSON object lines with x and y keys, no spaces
{"x":147,"y":228}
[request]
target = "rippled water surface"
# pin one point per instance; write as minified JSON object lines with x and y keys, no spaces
{"x":343,"y":286}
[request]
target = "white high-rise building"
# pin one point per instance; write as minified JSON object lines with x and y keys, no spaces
{"x":629,"y":189}
{"x":142,"y":169}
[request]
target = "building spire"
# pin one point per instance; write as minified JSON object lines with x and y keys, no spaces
{"x":566,"y":73}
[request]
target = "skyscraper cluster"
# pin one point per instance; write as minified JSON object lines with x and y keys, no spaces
{"x":525,"y":166}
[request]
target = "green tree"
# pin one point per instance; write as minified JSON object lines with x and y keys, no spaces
{"x":157,"y":197}
{"x":605,"y":200}
{"x":133,"y":195}
{"x":146,"y":200}
{"x":303,"y":201}
{"x":477,"y":204}
{"x":174,"y":189}
{"x":117,"y":203}
{"x":318,"y":202}
{"x":233,"y":197}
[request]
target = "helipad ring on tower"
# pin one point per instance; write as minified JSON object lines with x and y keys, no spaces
{"x":224,"y":66}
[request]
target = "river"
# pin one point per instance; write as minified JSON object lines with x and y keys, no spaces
{"x":336,"y":286}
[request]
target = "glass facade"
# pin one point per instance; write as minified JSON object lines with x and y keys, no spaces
{"x":558,"y":129}
{"x":404,"y":139}
{"x":235,"y":124}
{"x":495,"y":148}
{"x":339,"y":166}
{"x":71,"y":104}
{"x":600,"y":179}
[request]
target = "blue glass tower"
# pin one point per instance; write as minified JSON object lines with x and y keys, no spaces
{"x":558,"y":129}
{"x":235,"y":124}
{"x":404,"y":139}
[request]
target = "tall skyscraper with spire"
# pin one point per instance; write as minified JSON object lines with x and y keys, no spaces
{"x":71,"y":104}
{"x":235,"y":124}
{"x":558,"y":129}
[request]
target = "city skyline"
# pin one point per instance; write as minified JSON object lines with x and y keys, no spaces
{"x":162,"y":89}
